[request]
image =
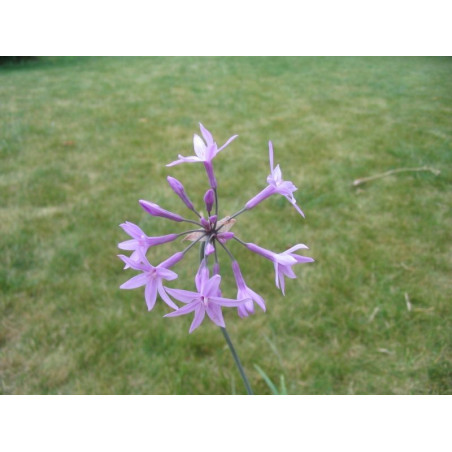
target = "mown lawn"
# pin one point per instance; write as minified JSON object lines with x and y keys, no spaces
{"x":83,"y":139}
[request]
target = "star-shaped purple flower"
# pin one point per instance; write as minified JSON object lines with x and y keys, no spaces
{"x":283,"y":262}
{"x":140,"y":242}
{"x":206,"y":300}
{"x":151,"y":277}
{"x":243,"y":292}
{"x":205,"y":151}
{"x":276,"y":184}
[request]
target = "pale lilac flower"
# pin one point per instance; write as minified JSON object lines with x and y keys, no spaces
{"x":205,"y":300}
{"x":283,"y":262}
{"x":140,"y":242}
{"x":156,"y":211}
{"x":243,"y":291}
{"x":151,"y":277}
{"x":205,"y":151}
{"x":276,"y":184}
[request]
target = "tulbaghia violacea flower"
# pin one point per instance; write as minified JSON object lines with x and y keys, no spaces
{"x":283,"y":262}
{"x":276,"y":184}
{"x":243,"y":292}
{"x":205,"y":151}
{"x":140,"y":242}
{"x":211,"y":234}
{"x":205,"y":300}
{"x":152,"y":277}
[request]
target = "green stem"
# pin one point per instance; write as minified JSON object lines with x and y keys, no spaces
{"x":237,"y":361}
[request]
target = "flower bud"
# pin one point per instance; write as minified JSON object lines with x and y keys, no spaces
{"x":209,"y":199}
{"x":179,"y":189}
{"x":156,"y":211}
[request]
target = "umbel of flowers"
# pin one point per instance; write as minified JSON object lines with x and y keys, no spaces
{"x":212,"y":233}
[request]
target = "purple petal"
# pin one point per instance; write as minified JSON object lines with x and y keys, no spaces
{"x":202,"y":275}
{"x":165,"y":273}
{"x":294,"y":203}
{"x":227,"y":302}
{"x":276,"y":267}
{"x":185,"y":296}
{"x":238,"y":276}
{"x":212,"y":286}
{"x":183,"y":310}
{"x":270,"y":155}
{"x":296,"y":247}
{"x":255,"y":297}
{"x":182,"y":159}
{"x":303,"y":259}
{"x":215,"y":314}
{"x":227,"y":142}
{"x":164,"y":296}
{"x":242,"y":311}
{"x":206,"y":135}
{"x":199,"y":147}
{"x":136,"y":281}
{"x":200,"y":312}
{"x":136,"y":264}
{"x":150,"y":294}
{"x":132,"y":229}
{"x":128,"y":245}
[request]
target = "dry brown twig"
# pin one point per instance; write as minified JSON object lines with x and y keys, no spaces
{"x":363,"y":180}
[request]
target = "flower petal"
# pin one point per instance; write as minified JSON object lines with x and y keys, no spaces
{"x":136,"y":281}
{"x":132,"y":229}
{"x":164,"y":296}
{"x":165,"y":273}
{"x":206,"y":135}
{"x":185,"y":296}
{"x":212,"y":286}
{"x":296,"y":247}
{"x":200,"y":147}
{"x":183,"y":310}
{"x":225,"y":144}
{"x":227,"y":302}
{"x":150,"y":294}
{"x":257,"y":298}
{"x":215,"y":314}
{"x":128,"y":245}
{"x":200,"y":312}
{"x":139,"y":262}
{"x":182,"y":159}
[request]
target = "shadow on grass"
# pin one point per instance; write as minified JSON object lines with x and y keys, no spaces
{"x":22,"y":63}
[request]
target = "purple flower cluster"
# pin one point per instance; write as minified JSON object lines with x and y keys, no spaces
{"x":212,"y":234}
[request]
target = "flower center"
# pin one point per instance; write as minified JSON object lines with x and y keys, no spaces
{"x":204,"y":300}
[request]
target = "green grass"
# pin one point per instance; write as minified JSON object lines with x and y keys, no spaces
{"x":82,"y":140}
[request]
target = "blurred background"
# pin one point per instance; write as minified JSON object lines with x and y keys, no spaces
{"x":83,"y":139}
